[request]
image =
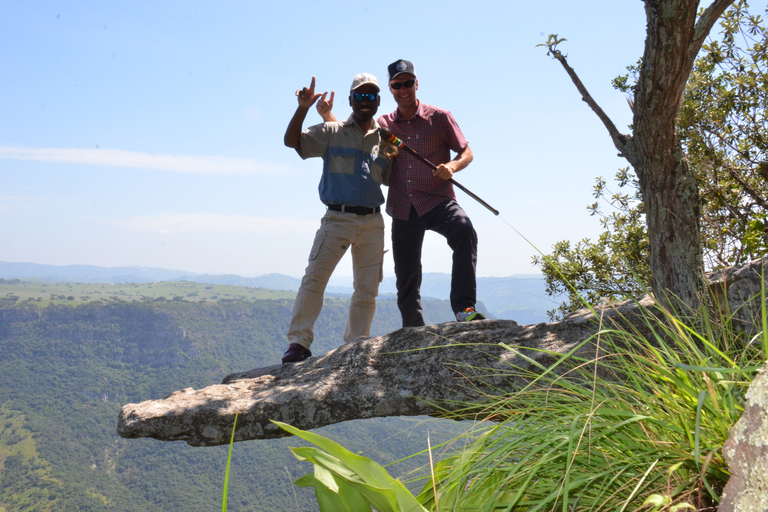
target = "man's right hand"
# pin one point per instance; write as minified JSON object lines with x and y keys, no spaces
{"x":307,"y":96}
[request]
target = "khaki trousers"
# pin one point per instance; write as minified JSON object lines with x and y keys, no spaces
{"x":338,"y":231}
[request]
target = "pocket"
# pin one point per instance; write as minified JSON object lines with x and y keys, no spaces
{"x":317,"y":245}
{"x":320,"y":236}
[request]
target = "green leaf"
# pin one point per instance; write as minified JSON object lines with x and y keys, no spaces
{"x":330,"y":500}
{"x":349,"y":476}
{"x":226,"y":472}
{"x":657,"y":500}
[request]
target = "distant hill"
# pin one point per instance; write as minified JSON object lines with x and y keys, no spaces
{"x":519,"y":297}
{"x":71,"y":355}
{"x":90,"y":273}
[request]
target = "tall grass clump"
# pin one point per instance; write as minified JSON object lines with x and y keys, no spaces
{"x":638,"y":424}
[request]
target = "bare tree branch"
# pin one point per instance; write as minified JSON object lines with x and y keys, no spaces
{"x":622,"y":141}
{"x":705,"y":23}
{"x":751,"y":192}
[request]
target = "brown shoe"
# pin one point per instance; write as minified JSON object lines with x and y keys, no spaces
{"x":296,"y":353}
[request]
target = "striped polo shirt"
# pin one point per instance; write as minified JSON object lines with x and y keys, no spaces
{"x":353,"y":171}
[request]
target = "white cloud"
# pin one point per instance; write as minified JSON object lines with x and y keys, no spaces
{"x":133,"y":159}
{"x":168,"y":223}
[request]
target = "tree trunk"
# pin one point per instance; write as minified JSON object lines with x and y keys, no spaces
{"x":667,"y":184}
{"x":670,"y":194}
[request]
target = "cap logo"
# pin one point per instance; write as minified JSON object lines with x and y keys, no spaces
{"x":401,"y":66}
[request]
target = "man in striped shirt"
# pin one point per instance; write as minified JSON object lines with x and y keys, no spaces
{"x":421,"y":199}
{"x":350,"y":186}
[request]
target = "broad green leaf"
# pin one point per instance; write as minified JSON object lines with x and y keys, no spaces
{"x":351,"y":471}
{"x":657,"y":500}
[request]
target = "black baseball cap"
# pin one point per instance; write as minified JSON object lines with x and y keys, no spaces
{"x":399,"y":67}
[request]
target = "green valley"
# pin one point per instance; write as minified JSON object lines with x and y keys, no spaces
{"x":68,"y":364}
{"x":14,"y":291}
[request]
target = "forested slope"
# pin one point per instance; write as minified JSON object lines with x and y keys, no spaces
{"x":65,"y":370}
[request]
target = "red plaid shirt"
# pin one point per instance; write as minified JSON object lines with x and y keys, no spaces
{"x":432,"y":133}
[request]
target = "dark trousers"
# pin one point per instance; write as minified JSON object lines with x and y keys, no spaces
{"x":450,"y":220}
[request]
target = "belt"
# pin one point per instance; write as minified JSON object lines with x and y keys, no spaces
{"x":358,"y":210}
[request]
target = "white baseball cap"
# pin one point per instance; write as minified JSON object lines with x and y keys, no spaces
{"x":362,"y":79}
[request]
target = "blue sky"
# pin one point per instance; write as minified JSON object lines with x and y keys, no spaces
{"x":150,"y":133}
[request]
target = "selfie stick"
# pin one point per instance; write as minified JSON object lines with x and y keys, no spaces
{"x":389,"y":137}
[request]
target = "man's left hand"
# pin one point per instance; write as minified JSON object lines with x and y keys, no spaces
{"x":325,"y":105}
{"x":443,"y":171}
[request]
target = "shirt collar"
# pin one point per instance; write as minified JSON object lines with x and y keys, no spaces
{"x":351,"y":121}
{"x":419,"y":112}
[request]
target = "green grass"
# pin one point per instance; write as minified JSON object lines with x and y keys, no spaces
{"x":646,"y":417}
{"x":229,"y":460}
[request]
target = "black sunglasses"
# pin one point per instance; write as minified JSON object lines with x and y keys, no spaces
{"x":397,"y":85}
{"x":360,"y":96}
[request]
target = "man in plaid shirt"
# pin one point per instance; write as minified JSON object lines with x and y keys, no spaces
{"x":420,"y":199}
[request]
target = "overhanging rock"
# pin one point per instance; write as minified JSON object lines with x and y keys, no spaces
{"x":433,"y":370}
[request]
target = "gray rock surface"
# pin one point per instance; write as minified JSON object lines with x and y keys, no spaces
{"x":737,"y":291}
{"x":746,"y":453}
{"x":431,"y":370}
